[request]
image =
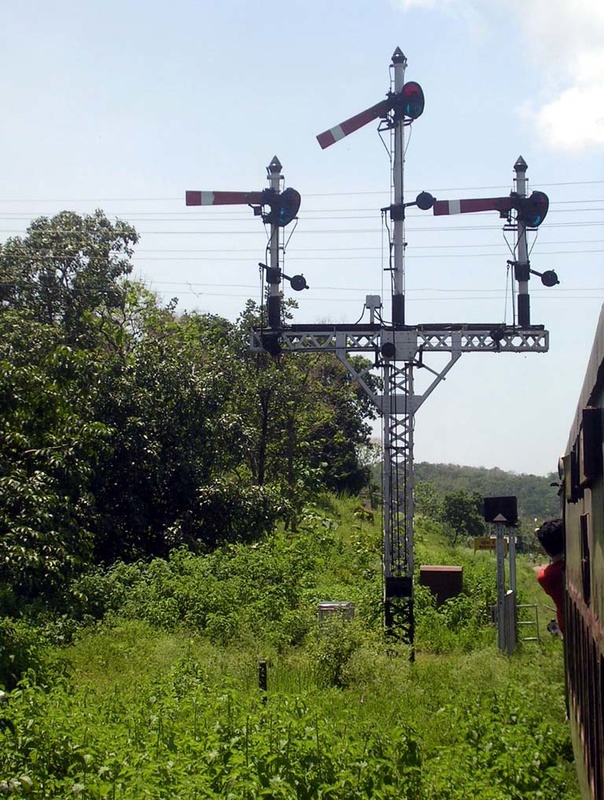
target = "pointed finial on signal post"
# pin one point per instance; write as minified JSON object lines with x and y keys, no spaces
{"x":398,"y":56}
{"x":275,"y":166}
{"x":520,"y":165}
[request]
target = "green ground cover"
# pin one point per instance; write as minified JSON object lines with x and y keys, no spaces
{"x":148,"y":687}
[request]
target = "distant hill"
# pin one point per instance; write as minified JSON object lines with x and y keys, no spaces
{"x":536,"y":498}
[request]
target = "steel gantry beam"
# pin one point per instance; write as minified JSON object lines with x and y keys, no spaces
{"x":395,"y":348}
{"x":442,"y":338}
{"x":398,"y":351}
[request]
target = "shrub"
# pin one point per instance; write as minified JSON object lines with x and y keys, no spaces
{"x":336,"y":640}
{"x":24,"y":651}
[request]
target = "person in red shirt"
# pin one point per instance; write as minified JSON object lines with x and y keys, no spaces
{"x":551,"y":577}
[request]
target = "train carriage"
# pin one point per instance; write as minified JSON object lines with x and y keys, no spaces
{"x":582,"y":488}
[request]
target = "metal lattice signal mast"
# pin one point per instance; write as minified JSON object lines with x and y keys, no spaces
{"x":530,"y":213}
{"x":399,"y":348}
{"x":283,"y":207}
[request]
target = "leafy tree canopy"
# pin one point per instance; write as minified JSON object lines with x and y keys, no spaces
{"x":536,"y":496}
{"x":127,"y":429}
{"x":67,"y":268}
{"x":461,"y":512}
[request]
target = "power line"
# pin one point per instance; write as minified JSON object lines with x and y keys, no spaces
{"x":309,"y":215}
{"x":31,"y":284}
{"x":226,"y":211}
{"x":252,"y":251}
{"x":308,"y":194}
{"x":349,"y":231}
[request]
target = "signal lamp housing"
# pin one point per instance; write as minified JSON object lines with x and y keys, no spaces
{"x":549,"y":278}
{"x":284,"y":206}
{"x":424,"y":201}
{"x":412,"y":100}
{"x":532,"y":210}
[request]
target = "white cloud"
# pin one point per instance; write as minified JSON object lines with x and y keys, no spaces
{"x":560,"y":31}
{"x":574,"y":120}
{"x":564,"y":40}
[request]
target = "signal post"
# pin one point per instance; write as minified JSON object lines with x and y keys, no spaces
{"x":397,"y":348}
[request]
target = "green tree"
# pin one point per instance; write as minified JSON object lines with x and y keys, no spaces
{"x":461,"y":513}
{"x":536,"y":495}
{"x":168,"y":401}
{"x":60,"y":287}
{"x":428,"y":502}
{"x":308,"y":416}
{"x":49,"y":443}
{"x":130,"y":429}
{"x":67,"y":271}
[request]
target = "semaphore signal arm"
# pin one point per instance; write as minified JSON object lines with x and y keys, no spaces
{"x":394,"y":348}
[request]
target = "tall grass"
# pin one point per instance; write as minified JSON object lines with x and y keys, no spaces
{"x":157,"y":693}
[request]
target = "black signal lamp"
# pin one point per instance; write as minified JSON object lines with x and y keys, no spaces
{"x":274,"y":275}
{"x":388,"y":350}
{"x":284,"y":206}
{"x":424,"y":201}
{"x":297,"y":282}
{"x":532,"y":210}
{"x":549,"y":278}
{"x":412,"y":100}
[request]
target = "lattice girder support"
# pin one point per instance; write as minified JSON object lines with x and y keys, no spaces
{"x":398,"y":351}
{"x":398,"y":473}
{"x":487,"y":338}
{"x":398,"y":411}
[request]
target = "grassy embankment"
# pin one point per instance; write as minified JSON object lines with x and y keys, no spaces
{"x":156,"y":695}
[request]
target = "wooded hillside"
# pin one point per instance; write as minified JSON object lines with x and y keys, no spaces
{"x":536,"y":497}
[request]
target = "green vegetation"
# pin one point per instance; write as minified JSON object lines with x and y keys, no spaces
{"x":173,"y":510}
{"x":156,"y":694}
{"x":536,"y":497}
{"x":127,"y":430}
{"x":453,"y":495}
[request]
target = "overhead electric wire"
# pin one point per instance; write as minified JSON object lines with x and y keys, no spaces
{"x":333,"y":214}
{"x":582,"y":206}
{"x":410,"y":255}
{"x":179,"y":198}
{"x":344,"y":231}
{"x":175,"y":253}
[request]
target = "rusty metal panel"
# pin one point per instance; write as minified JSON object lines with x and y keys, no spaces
{"x":443,"y":581}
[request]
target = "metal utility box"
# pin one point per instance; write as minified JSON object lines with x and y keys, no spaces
{"x":328,"y":609}
{"x":443,"y":581}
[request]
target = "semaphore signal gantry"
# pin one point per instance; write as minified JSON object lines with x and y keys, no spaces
{"x":394,"y":347}
{"x":283,"y":206}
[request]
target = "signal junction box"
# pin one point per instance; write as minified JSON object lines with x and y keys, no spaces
{"x":443,"y":581}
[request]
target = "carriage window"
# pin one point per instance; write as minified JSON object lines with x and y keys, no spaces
{"x":590,"y":448}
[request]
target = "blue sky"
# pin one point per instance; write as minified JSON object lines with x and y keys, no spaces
{"x":125,"y":105}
